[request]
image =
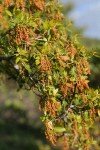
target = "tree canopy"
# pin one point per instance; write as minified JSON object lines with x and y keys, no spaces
{"x":38,"y":52}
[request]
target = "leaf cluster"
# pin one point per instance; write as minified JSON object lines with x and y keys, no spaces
{"x":37,"y":51}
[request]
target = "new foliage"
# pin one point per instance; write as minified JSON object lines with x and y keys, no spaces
{"x":36,"y":50}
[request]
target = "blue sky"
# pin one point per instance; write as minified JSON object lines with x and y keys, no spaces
{"x":87,"y":14}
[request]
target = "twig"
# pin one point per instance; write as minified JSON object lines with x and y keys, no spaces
{"x":75,"y":139}
{"x":39,"y":38}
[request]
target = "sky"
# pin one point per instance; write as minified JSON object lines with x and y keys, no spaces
{"x":86,"y":14}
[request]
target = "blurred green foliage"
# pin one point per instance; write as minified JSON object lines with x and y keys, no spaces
{"x":94,"y":47}
{"x":20,"y":126}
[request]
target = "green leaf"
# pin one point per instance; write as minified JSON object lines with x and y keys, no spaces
{"x":22,"y":52}
{"x":51,"y":23}
{"x":8,"y":13}
{"x":62,"y":44}
{"x":59,"y":129}
{"x":37,"y":61}
{"x":79,"y":119}
{"x":64,"y":103}
{"x":55,"y":91}
{"x":43,"y":118}
{"x":45,"y":39}
{"x":45,"y":25}
{"x":17,"y":60}
{"x":27,"y":67}
{"x":50,"y":77}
